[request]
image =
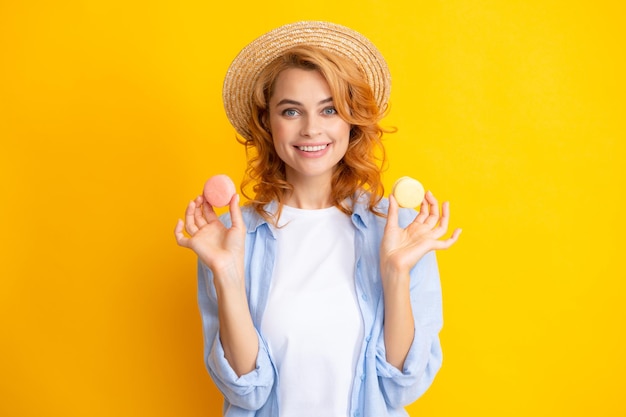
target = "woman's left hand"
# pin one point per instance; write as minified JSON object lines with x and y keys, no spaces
{"x":402,"y":248}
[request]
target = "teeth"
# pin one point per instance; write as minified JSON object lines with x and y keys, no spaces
{"x":312,"y":148}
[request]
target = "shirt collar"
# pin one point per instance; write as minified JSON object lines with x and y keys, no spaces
{"x":254,"y":220}
{"x":361,"y":216}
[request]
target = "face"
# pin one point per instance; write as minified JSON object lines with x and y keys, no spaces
{"x":309,"y":136}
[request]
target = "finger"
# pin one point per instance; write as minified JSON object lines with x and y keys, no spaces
{"x":392,"y":213}
{"x":423,"y":214}
{"x":208,"y":212}
{"x":433,"y":210}
{"x":445,"y":244}
{"x":198,"y":213}
{"x":181,"y":239}
{"x":235,"y":213}
{"x":190,"y":221}
{"x":455,"y":235}
{"x":443,"y":222}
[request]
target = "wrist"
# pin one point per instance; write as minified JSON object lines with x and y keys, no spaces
{"x":395,"y":282}
{"x":394,"y":273}
{"x":229,"y":277}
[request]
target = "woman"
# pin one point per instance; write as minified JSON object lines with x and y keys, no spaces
{"x":319,"y":297}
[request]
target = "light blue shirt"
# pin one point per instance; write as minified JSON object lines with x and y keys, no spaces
{"x":379,"y":389}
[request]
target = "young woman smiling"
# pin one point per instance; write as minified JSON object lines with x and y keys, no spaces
{"x":319,"y":297}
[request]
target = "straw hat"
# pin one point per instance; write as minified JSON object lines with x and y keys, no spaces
{"x":252,"y":59}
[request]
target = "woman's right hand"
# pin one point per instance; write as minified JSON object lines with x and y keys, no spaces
{"x":220,"y":248}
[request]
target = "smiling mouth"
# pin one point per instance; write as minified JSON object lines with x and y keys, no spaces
{"x":312,"y":148}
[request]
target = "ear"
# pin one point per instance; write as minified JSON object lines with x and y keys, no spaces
{"x":354,"y":131}
{"x":265,"y":122}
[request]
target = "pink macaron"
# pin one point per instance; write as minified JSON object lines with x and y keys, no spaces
{"x":219,"y":190}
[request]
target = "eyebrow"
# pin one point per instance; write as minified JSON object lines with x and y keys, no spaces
{"x":297,"y":103}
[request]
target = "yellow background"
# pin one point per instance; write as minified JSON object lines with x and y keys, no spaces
{"x":111,"y":120}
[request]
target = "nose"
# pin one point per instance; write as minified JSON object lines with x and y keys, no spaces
{"x":310,"y":126}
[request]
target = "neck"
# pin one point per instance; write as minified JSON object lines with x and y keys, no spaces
{"x":310,"y":194}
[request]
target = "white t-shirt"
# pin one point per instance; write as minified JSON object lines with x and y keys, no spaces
{"x":312,"y":322}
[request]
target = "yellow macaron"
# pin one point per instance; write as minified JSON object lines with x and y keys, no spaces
{"x":408,"y":192}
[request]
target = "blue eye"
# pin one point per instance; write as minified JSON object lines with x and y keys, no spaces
{"x":329,"y":111}
{"x":290,"y":112}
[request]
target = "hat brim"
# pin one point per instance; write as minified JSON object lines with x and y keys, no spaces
{"x":248,"y":64}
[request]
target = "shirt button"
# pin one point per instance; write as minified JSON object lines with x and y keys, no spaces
{"x":368,"y":338}
{"x":357,"y":413}
{"x":364,"y":297}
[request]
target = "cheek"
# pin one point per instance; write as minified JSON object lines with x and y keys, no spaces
{"x":342,"y":136}
{"x":342,"y":130}
{"x":279,"y":138}
{"x":279,"y":130}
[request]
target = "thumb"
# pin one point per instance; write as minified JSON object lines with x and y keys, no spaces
{"x":235,"y":213}
{"x":392,"y":213}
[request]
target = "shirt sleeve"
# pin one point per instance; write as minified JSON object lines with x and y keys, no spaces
{"x":424,"y":358}
{"x":249,"y":391}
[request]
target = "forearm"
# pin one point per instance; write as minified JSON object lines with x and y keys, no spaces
{"x":237,"y":333}
{"x":399,"y":325}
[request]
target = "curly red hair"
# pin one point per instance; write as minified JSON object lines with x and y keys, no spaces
{"x":358,"y":173}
